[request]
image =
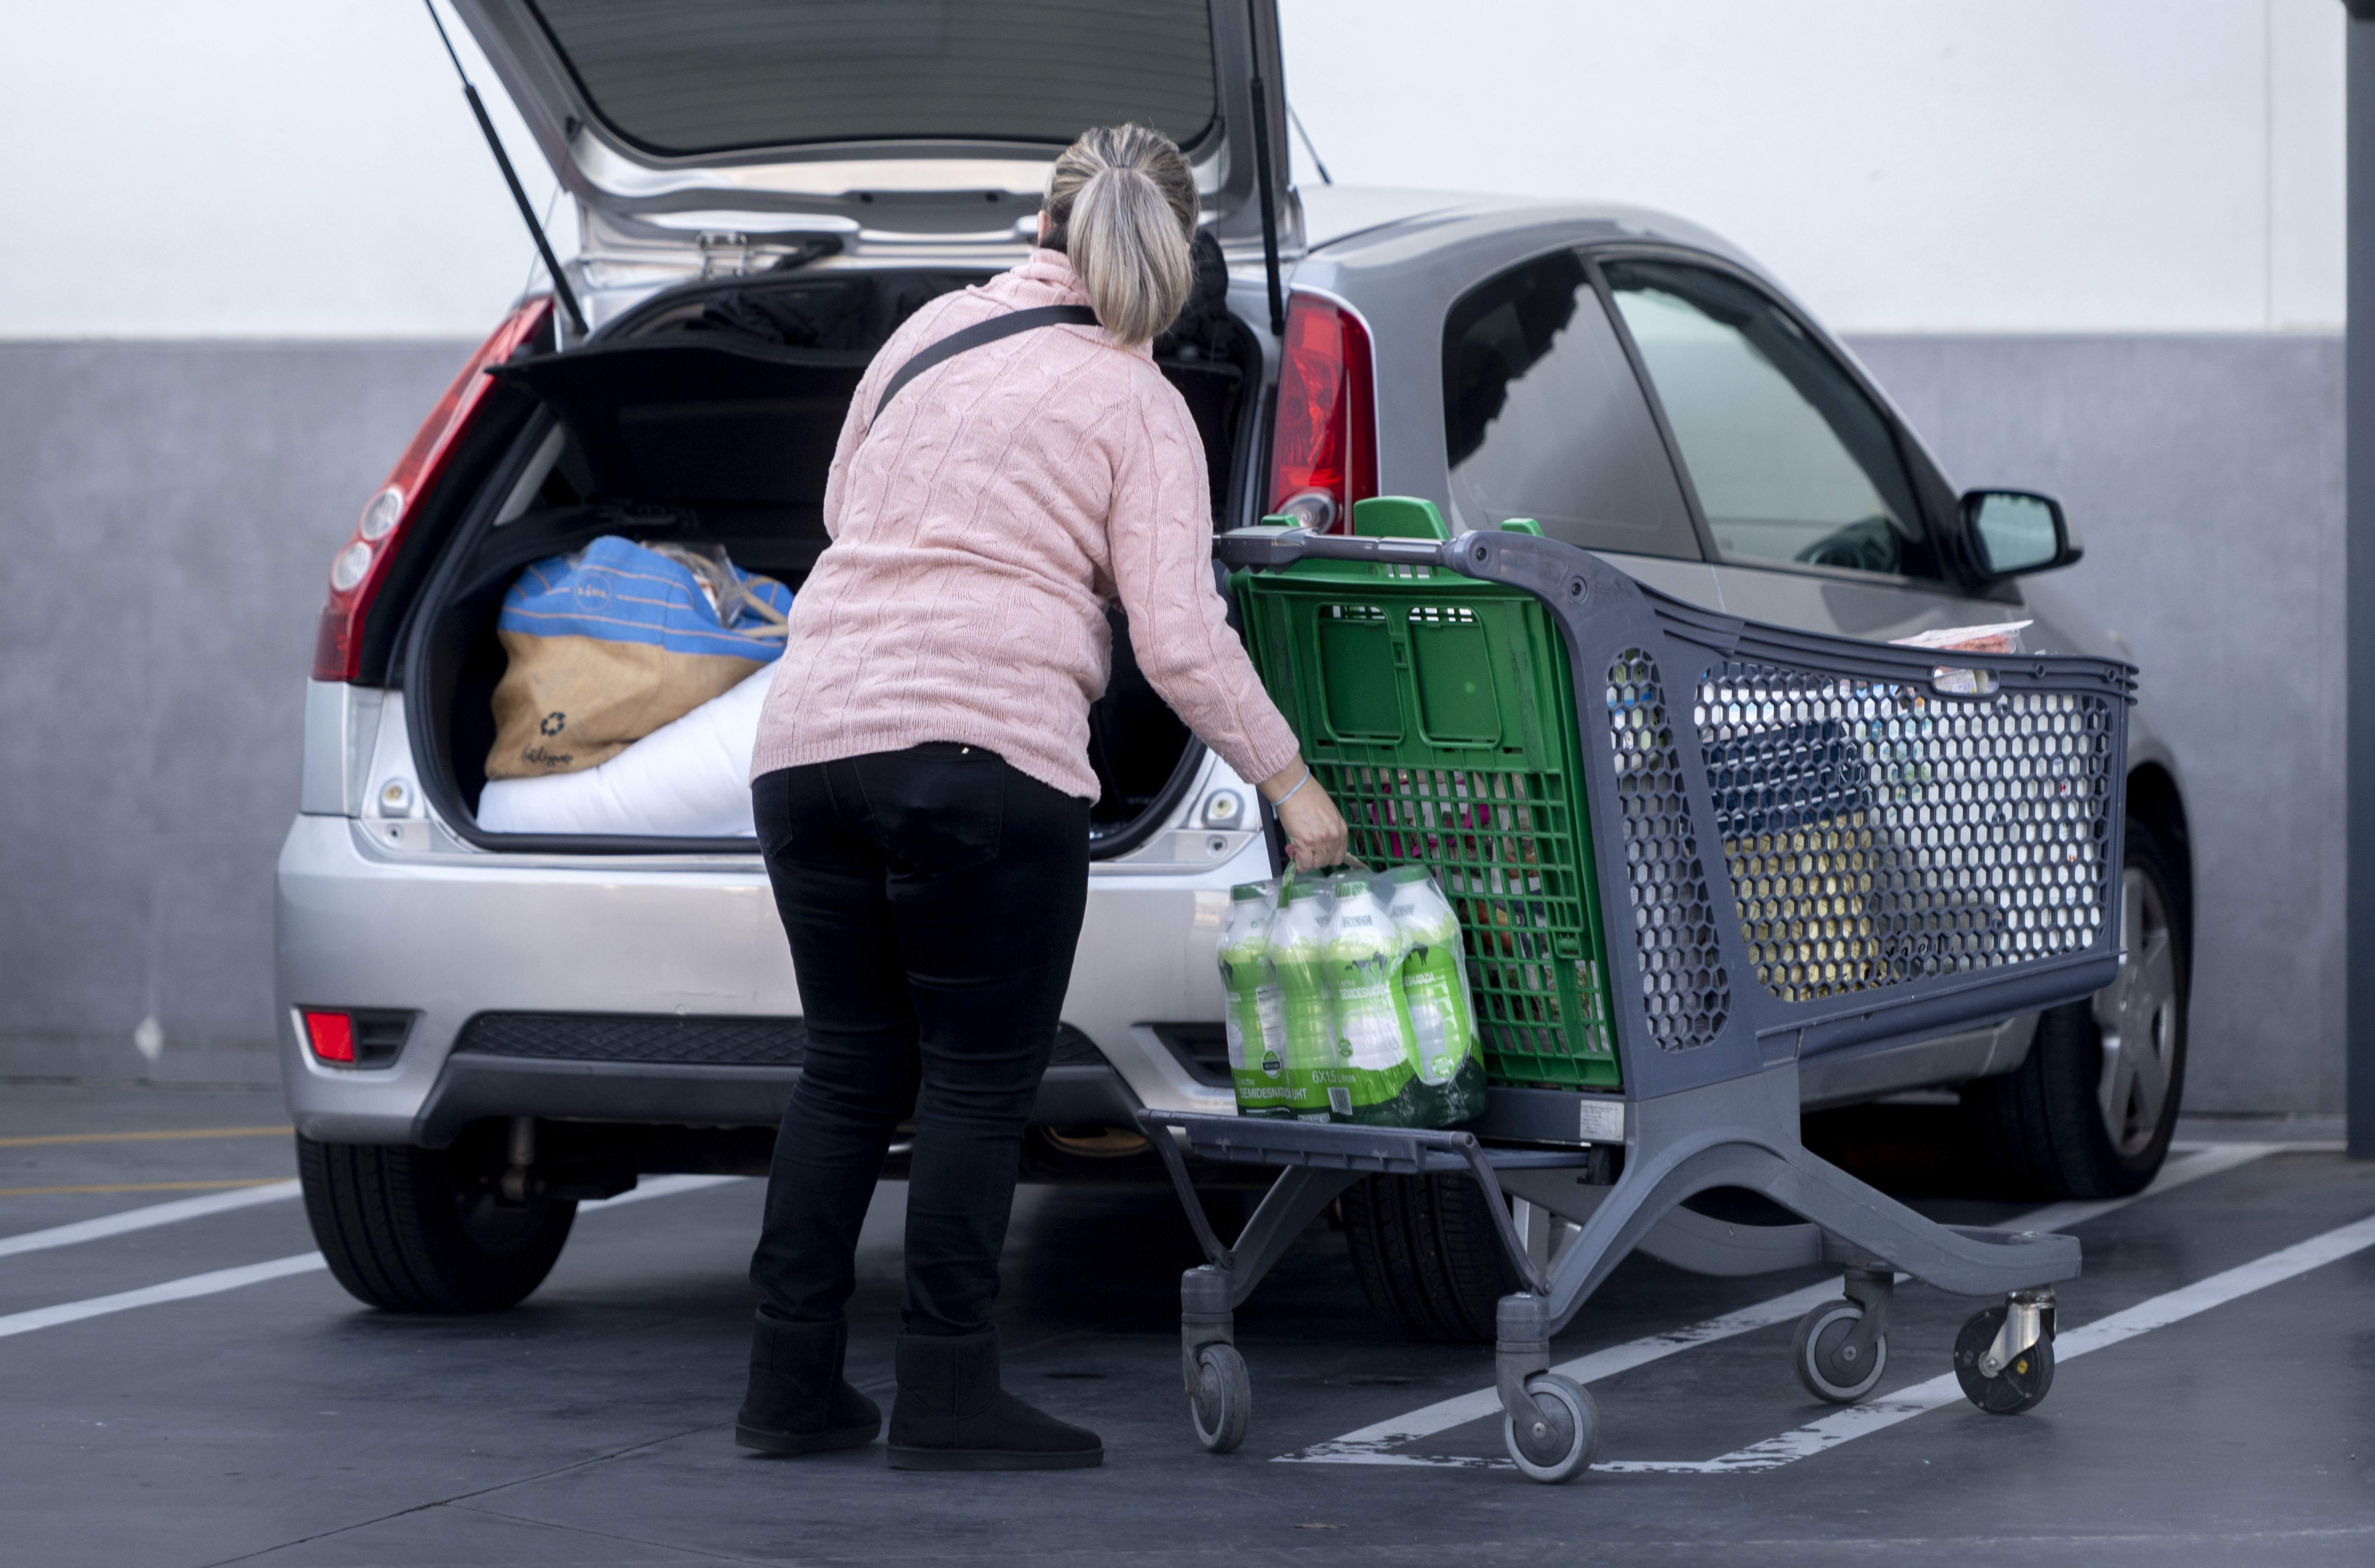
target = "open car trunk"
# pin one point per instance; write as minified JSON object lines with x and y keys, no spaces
{"x":709,"y":416}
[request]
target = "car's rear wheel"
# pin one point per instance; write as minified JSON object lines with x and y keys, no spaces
{"x":1427,"y":1255}
{"x":2088,"y":1115}
{"x":427,"y":1230}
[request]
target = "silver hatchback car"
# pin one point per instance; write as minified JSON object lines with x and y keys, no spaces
{"x":483,"y":1029}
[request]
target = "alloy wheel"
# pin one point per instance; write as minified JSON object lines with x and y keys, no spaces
{"x":2137,"y":1014}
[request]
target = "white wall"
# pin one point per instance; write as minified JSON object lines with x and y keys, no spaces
{"x":306,"y":167}
{"x":1905,"y":165}
{"x":257,"y":167}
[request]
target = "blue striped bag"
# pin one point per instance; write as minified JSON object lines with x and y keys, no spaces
{"x":615,"y":640}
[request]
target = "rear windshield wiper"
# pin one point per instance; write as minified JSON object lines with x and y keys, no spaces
{"x":510,"y":177}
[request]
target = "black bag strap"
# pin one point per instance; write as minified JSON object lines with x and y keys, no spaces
{"x":973,"y":337}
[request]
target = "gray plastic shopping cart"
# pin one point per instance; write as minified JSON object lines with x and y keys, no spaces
{"x":1688,"y":851}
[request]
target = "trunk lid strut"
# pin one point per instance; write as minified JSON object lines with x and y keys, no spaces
{"x":510,"y":177}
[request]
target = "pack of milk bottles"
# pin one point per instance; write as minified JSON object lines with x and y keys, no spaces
{"x":1348,"y":1001}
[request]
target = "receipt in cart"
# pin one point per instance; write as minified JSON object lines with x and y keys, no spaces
{"x":2003,"y":637}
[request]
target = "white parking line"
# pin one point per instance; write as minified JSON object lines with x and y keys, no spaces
{"x":2207,"y":1160}
{"x":1369,"y":1445}
{"x":145,"y":1218}
{"x":2172,"y":1306}
{"x":221,"y":1280}
{"x":149,"y":1216}
{"x":659,"y":1186}
{"x":180,"y":1290}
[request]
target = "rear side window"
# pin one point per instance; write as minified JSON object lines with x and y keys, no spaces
{"x":1790,"y":460}
{"x":1543,"y":419}
{"x":707,"y":76}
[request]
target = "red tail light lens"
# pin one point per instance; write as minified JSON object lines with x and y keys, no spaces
{"x":357,"y":570}
{"x":1324,"y":448}
{"x":332,"y":1036}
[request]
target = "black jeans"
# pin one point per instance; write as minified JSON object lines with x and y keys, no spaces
{"x":933,"y":899}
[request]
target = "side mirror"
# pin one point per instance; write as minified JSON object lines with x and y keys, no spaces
{"x":2014,"y":531}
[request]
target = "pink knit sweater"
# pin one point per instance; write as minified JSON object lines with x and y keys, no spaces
{"x":1008,"y":494}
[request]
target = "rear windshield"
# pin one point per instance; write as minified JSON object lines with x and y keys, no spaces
{"x":682,"y":77}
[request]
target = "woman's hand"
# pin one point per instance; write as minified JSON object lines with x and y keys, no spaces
{"x":1315,"y":829}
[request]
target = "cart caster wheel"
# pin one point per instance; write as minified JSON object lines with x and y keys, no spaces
{"x":1830,"y":1368}
{"x":1223,"y":1399}
{"x":2020,"y":1386}
{"x":1558,"y":1443}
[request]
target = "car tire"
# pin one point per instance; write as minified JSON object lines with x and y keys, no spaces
{"x":1427,"y":1255}
{"x":423,"y":1230}
{"x":2085,"y":1115}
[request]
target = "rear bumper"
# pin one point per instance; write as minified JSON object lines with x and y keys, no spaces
{"x":448,"y":935}
{"x":472,"y":1086}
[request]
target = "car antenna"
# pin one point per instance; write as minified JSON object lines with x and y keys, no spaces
{"x":1297,"y":121}
{"x":1262,"y":175}
{"x":510,"y":177}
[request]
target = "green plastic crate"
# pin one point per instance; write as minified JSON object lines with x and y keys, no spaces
{"x":1439,"y":712}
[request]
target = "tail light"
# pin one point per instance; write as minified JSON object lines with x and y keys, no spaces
{"x":332,"y":1036}
{"x":357,"y":571}
{"x":1324,"y":448}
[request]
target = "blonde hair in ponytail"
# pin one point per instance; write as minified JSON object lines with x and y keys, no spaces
{"x":1122,"y":203}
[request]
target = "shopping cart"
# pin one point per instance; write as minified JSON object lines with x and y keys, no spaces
{"x":1687,"y":851}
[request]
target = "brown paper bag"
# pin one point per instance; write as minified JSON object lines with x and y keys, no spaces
{"x":569,"y":703}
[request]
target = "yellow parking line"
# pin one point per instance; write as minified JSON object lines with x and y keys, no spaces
{"x":143,"y":1137}
{"x":141,"y":1187}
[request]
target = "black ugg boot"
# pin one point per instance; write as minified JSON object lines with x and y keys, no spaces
{"x":952,"y":1415}
{"x":799,"y":1402}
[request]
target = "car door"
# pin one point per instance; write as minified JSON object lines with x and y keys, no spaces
{"x":1818,"y":511}
{"x":1543,"y":419}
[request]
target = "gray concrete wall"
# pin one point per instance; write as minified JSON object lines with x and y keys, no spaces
{"x":167,"y":512}
{"x":2204,"y":473}
{"x":167,"y":517}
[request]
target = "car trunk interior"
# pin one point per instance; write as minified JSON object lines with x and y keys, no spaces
{"x":708,"y":417}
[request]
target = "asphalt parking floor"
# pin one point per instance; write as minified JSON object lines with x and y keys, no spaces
{"x":184,"y":1385}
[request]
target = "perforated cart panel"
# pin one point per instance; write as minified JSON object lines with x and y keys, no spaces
{"x":1796,"y":843}
{"x":1879,"y":831}
{"x":1683,"y":984}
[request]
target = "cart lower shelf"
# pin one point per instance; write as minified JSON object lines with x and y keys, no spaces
{"x":1742,"y":1133}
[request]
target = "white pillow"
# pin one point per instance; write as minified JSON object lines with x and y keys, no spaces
{"x":689,"y":778}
